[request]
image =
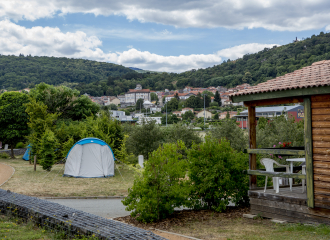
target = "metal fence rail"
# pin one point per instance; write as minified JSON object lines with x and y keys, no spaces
{"x":73,"y":222}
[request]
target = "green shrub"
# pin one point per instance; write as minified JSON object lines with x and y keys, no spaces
{"x":161,"y":187}
{"x":4,"y":155}
{"x":216,"y":175}
{"x":229,"y":130}
{"x":19,"y":145}
{"x":48,"y":146}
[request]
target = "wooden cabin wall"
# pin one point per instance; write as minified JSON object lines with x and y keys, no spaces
{"x":320,"y":105}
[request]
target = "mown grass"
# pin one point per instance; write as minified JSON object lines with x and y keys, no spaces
{"x":52,"y":184}
{"x":241,"y":228}
{"x":15,"y":229}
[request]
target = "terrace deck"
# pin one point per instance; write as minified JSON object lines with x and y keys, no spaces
{"x":286,"y":205}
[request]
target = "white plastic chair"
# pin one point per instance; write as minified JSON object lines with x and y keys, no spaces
{"x":269,"y":165}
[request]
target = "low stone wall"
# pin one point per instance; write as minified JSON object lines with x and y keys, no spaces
{"x":73,"y":222}
{"x":19,"y":151}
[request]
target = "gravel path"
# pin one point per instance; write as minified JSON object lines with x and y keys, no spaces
{"x":6,"y":172}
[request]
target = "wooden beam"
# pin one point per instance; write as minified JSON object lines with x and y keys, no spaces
{"x":274,"y":101}
{"x":252,"y":144}
{"x":299,"y":92}
{"x":309,"y":152}
{"x":277,"y":151}
{"x":276,"y":174}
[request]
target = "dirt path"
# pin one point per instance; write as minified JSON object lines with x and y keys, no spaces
{"x":6,"y":172}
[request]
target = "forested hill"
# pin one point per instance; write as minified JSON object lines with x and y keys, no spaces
{"x":261,"y":66}
{"x":25,"y":71}
{"x":97,"y":78}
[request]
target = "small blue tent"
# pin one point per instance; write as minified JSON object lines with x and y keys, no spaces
{"x":90,"y":158}
{"x":26,"y":155}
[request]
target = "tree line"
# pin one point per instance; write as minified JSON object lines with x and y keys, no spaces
{"x":100,"y":78}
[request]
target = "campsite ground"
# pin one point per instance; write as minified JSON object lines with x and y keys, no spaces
{"x":53,"y":184}
{"x":231,"y":225}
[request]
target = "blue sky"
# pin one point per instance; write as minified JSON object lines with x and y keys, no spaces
{"x":165,"y":35}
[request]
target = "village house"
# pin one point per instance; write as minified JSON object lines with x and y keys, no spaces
{"x":297,"y":112}
{"x":223,"y":115}
{"x":184,"y":110}
{"x":201,"y":114}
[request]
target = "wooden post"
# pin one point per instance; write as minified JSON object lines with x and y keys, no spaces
{"x":35,"y":162}
{"x":252,"y":144}
{"x":309,"y":152}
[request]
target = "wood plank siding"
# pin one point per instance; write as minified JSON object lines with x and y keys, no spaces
{"x":320,"y":105}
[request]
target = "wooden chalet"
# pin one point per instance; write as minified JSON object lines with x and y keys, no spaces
{"x":311,"y":87}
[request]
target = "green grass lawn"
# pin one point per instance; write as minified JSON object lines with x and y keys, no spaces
{"x":52,"y":184}
{"x":14,"y":229}
{"x":248,"y":229}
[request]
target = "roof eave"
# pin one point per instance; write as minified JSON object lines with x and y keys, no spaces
{"x":281,"y":94}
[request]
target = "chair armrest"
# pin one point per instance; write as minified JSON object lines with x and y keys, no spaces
{"x":286,"y":166}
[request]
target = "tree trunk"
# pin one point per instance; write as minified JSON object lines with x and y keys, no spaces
{"x":12,"y":156}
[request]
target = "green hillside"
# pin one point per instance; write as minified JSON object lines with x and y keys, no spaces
{"x":26,"y":71}
{"x":97,"y":78}
{"x":261,"y":66}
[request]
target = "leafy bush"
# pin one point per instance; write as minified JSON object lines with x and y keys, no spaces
{"x":48,"y":146}
{"x":280,"y":129}
{"x":183,"y":133}
{"x":229,"y":130}
{"x":19,"y":145}
{"x":216,"y":175}
{"x":4,"y":155}
{"x":144,"y":139}
{"x":161,"y":187}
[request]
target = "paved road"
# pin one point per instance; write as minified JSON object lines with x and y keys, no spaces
{"x":107,"y":208}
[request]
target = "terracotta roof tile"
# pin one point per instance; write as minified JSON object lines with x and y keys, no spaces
{"x":316,"y":75}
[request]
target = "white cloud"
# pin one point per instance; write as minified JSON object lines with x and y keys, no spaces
{"x":135,"y":34}
{"x":39,"y":41}
{"x":295,"y":15}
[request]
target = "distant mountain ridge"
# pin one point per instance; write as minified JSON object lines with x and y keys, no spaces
{"x":19,"y":72}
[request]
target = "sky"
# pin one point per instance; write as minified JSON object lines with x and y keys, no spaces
{"x":156,"y":35}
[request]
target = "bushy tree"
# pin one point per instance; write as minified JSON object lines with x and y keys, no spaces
{"x":181,"y":132}
{"x":172,"y":105}
{"x":39,"y":121}
{"x":145,"y":138}
{"x":216,"y":116}
{"x":280,"y":129}
{"x":161,"y":187}
{"x":64,"y":101}
{"x":188,"y":116}
{"x":48,"y":146}
{"x":13,"y":118}
{"x":139,"y":104}
{"x":229,"y":130}
{"x":171,"y":119}
{"x":216,"y":175}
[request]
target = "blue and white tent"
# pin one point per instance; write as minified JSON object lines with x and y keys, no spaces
{"x":26,"y":155}
{"x":90,"y":158}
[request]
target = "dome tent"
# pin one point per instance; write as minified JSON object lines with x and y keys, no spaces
{"x":90,"y":158}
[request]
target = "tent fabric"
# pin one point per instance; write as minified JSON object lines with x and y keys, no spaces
{"x":90,"y":158}
{"x":26,"y":155}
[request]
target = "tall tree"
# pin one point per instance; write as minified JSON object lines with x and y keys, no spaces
{"x":217,"y":98}
{"x":13,"y":118}
{"x":177,"y":96}
{"x":139,"y":104}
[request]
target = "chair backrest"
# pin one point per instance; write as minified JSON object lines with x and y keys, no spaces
{"x":268,"y":163}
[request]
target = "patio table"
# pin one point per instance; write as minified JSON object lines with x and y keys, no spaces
{"x":291,"y":160}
